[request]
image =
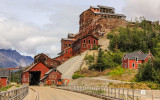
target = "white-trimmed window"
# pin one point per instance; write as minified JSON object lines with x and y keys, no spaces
{"x":133,"y":64}
{"x":125,"y":65}
{"x":136,"y":59}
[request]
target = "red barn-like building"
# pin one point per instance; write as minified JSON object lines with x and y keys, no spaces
{"x":4,"y":74}
{"x":41,"y":70}
{"x":134,"y":59}
{"x":3,"y":80}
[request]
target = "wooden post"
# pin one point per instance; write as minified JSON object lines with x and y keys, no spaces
{"x":119,"y":93}
{"x":115,"y":93}
{"x":108,"y":91}
{"x":133,"y":94}
{"x":123,"y":94}
{"x":127,"y":94}
{"x":152,"y":96}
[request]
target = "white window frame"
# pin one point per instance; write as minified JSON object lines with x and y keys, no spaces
{"x":125,"y":65}
{"x":136,"y":59}
{"x":133,"y":64}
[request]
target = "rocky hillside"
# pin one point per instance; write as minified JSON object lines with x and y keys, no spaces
{"x":11,"y":58}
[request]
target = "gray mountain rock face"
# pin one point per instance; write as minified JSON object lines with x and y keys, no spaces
{"x":11,"y":58}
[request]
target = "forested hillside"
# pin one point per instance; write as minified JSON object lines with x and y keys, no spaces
{"x":144,"y":35}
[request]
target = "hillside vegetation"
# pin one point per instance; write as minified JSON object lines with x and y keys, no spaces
{"x":141,"y":35}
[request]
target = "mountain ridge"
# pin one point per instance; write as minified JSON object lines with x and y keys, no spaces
{"x":11,"y":58}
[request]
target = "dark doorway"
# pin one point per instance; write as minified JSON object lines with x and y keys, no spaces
{"x":34,"y":77}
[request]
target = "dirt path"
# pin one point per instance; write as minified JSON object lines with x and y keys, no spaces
{"x":47,"y":93}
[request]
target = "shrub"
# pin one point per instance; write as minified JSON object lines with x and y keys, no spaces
{"x":149,"y":71}
{"x":76,"y":75}
{"x":5,"y":88}
{"x":117,"y":71}
{"x":89,"y":59}
{"x":110,"y":35}
{"x":95,"y":47}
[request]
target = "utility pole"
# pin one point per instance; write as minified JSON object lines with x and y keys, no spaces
{"x":20,"y":68}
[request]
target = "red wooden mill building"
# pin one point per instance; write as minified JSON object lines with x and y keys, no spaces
{"x":93,"y":24}
{"x":43,"y":69}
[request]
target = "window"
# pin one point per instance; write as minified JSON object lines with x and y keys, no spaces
{"x":69,"y":44}
{"x":136,"y":59}
{"x":66,"y":45}
{"x":84,"y":41}
{"x":89,"y":41}
{"x":125,"y":58}
{"x":84,"y":45}
{"x":70,"y":52}
{"x":55,"y":76}
{"x":66,"y":51}
{"x":94,"y":42}
{"x":133,"y":65}
{"x":50,"y":76}
{"x":125,"y":65}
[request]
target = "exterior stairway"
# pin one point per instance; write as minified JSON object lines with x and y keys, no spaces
{"x":72,"y":65}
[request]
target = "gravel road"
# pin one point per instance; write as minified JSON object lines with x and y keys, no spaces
{"x":47,"y":93}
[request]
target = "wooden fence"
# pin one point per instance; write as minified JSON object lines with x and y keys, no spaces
{"x":16,"y":94}
{"x":116,"y":93}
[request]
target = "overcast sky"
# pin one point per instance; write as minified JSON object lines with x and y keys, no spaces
{"x":35,"y":26}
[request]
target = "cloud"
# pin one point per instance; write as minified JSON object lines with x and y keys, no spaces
{"x":32,"y":26}
{"x":147,"y":8}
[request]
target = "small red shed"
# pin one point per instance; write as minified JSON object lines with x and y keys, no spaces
{"x":3,"y":80}
{"x":4,"y":74}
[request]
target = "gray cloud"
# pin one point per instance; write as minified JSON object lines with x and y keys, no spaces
{"x":147,"y":8}
{"x":32,"y":26}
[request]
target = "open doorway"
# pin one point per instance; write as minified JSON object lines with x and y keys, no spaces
{"x":34,"y":77}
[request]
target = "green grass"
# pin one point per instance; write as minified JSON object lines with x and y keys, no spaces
{"x":17,"y":86}
{"x":117,"y":71}
{"x":5,"y":88}
{"x":76,"y":75}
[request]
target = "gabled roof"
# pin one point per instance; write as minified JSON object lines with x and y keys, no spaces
{"x":47,"y":73}
{"x":45,"y":57}
{"x":85,"y":37}
{"x":51,"y":70}
{"x":30,"y":67}
{"x":4,"y":73}
{"x":137,"y":54}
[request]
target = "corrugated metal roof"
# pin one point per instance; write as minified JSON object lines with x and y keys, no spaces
{"x":110,"y":14}
{"x":100,"y":6}
{"x":68,"y":39}
{"x":4,"y":73}
{"x":136,"y":54}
